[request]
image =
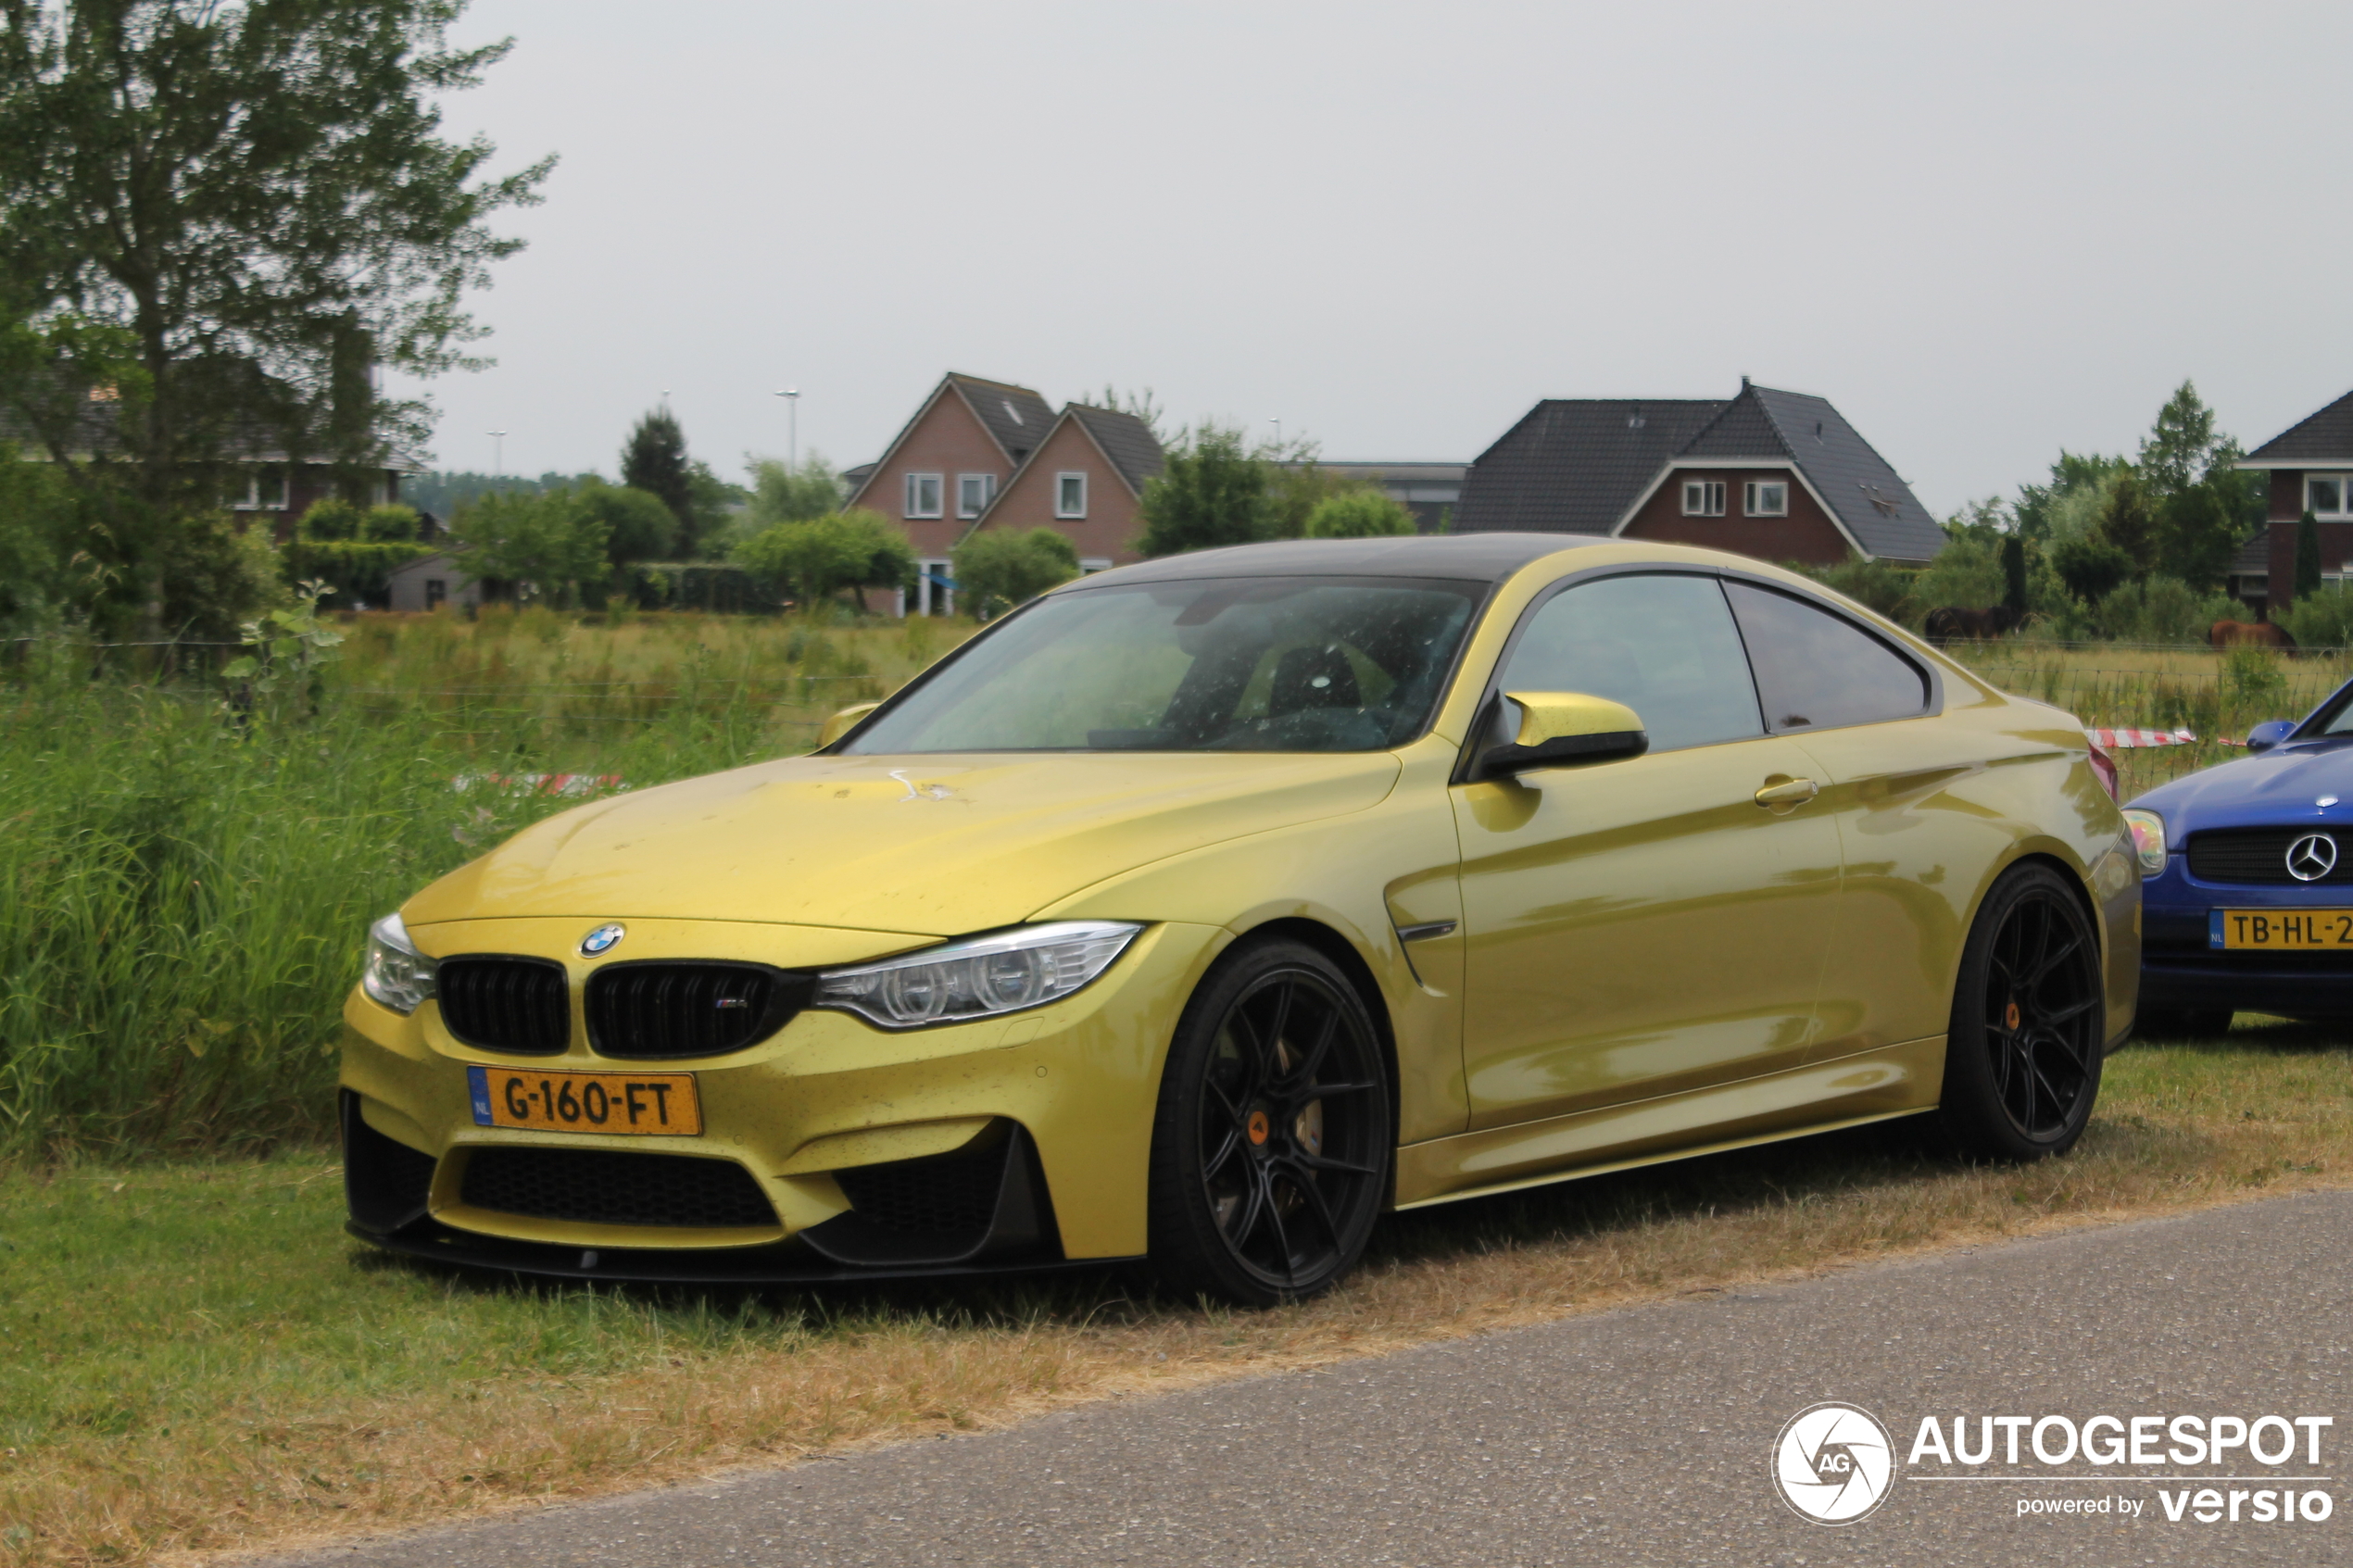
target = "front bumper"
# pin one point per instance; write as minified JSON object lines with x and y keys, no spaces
{"x":2182,"y":970}
{"x":831,"y":1149}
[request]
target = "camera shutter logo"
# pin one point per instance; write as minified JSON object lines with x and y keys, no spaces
{"x":601,"y":940}
{"x":1833,"y":1464}
{"x":2311,"y":857}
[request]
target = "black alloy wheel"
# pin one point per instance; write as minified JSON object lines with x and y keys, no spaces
{"x":2023,"y":1060}
{"x":1271,"y":1148}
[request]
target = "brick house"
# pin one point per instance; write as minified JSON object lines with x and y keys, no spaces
{"x":1778,"y":475}
{"x":989,"y":454}
{"x":1085,"y":481}
{"x":2310,"y":466}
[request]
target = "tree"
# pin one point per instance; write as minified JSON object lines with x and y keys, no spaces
{"x":2198,"y":534}
{"x":2090,"y":566}
{"x":816,"y":557}
{"x":216,"y":224}
{"x":1361,"y":513}
{"x":1212,"y":491}
{"x":781,"y":492}
{"x":717,"y":504}
{"x":2128,"y":522}
{"x":554,"y":543}
{"x":2308,"y":554}
{"x":654,"y":461}
{"x":2072,"y":472}
{"x":638,"y":526}
{"x":2014,"y":573}
{"x":1013,"y":565}
{"x":2179,"y":450}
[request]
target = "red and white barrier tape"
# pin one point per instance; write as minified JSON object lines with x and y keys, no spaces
{"x":2115,"y":740}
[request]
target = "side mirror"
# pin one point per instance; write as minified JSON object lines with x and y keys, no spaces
{"x":843,"y":723}
{"x":2267,"y":735}
{"x":1560,"y":728}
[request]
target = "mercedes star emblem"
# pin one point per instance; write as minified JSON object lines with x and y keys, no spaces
{"x":2311,"y":857}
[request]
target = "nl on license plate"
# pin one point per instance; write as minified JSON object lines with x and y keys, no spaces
{"x":2292,"y":930}
{"x":585,"y":1102}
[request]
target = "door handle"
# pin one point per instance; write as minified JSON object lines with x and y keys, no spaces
{"x":1790,"y":792}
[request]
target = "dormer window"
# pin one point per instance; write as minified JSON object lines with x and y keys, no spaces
{"x":2326,"y":495}
{"x":1765,"y":497}
{"x":1703,"y":498}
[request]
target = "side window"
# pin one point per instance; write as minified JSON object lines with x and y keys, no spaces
{"x":1664,"y":645}
{"x":1817,"y":671}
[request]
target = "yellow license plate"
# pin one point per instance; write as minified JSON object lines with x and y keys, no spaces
{"x":585,"y":1102}
{"x":2280,"y":930}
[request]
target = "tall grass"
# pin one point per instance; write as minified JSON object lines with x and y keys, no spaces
{"x":186,"y":886}
{"x":183,"y":888}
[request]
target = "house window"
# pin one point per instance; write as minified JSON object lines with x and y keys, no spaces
{"x":923,"y":495}
{"x":1089,"y":565}
{"x":1070,"y":495}
{"x":265,"y":491}
{"x":1703,"y":498}
{"x":436,"y":590}
{"x":1766,"y":497}
{"x":974,"y":492}
{"x":2326,"y":495}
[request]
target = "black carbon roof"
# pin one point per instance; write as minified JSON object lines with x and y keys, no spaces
{"x":1465,"y":557}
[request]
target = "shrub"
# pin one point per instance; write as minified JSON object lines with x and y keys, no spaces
{"x":2321,"y":619}
{"x":1359,"y":514}
{"x":1212,"y":491}
{"x":1009,"y":566}
{"x":819,"y":556}
{"x":2090,"y":566}
{"x":2162,"y":609}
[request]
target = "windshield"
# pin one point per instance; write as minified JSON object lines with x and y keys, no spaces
{"x":1222,"y":664}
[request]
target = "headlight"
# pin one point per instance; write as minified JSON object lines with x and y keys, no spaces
{"x":979,"y":977}
{"x":2148,"y":839}
{"x":398,"y":975}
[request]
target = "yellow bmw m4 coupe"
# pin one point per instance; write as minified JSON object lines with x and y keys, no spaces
{"x":1202,"y":911}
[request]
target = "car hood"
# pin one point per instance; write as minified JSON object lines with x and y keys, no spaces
{"x":934,"y":847}
{"x":2274,"y":788}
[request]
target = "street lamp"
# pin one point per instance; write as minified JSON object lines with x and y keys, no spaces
{"x":498,"y":453}
{"x":792,"y":427}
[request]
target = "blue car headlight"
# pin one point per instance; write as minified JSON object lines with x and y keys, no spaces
{"x":2148,"y":839}
{"x":978,"y":977}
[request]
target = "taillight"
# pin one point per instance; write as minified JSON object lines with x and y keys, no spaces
{"x":2104,"y":765}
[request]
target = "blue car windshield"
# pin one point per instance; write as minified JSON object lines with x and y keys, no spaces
{"x":1217,"y":664}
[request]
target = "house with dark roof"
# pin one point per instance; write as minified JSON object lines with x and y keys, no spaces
{"x":2310,"y":465}
{"x":1779,"y":475}
{"x":990,"y":453}
{"x":1430,"y":491}
{"x":1086,"y":479}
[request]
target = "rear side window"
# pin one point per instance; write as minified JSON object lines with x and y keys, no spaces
{"x":1663,"y":646}
{"x":1817,"y":671}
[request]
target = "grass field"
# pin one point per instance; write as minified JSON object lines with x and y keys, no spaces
{"x":196,"y":1356}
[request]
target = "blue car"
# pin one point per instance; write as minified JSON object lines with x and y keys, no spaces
{"x":2247,"y":889}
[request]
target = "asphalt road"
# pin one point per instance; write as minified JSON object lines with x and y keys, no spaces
{"x":1635,"y":1436}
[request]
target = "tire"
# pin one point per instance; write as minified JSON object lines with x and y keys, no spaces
{"x":1271,"y":1146}
{"x":2192,"y":1024}
{"x":2023,"y":1054}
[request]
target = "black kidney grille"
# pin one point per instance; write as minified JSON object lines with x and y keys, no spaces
{"x":604,"y":1187}
{"x":654,"y":1008}
{"x":506,"y":1004}
{"x":950,"y":1192}
{"x":2260,"y":856}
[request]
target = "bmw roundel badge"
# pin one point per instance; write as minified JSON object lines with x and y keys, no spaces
{"x":601,"y":941}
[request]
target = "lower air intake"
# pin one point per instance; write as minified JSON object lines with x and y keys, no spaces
{"x":601,"y":1186}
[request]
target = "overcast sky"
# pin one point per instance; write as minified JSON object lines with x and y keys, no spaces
{"x":1985,"y":233}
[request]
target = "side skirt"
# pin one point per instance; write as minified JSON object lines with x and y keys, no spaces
{"x":1873,"y":1086}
